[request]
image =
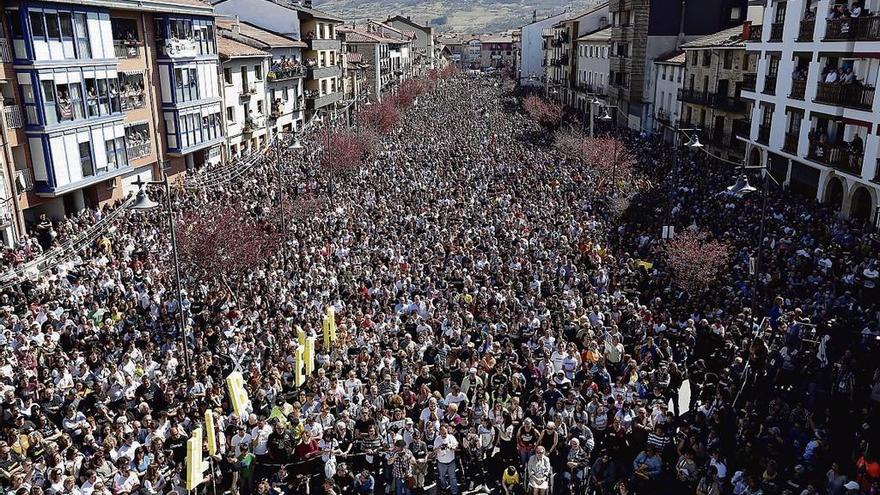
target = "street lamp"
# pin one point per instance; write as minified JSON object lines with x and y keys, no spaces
{"x":295,"y":146}
{"x":605,"y":115}
{"x":694,"y":142}
{"x":143,"y":202}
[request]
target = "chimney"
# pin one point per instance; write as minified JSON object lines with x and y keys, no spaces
{"x":747,"y":29}
{"x":307,"y":3}
{"x":535,"y":15}
{"x":235,"y":27}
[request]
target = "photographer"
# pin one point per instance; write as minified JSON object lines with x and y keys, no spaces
{"x":444,"y":447}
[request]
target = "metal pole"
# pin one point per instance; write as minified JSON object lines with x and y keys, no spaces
{"x":281,"y":188}
{"x":614,"y":170}
{"x":592,"y":124}
{"x":758,"y":256}
{"x":327,"y":158}
{"x":183,"y":331}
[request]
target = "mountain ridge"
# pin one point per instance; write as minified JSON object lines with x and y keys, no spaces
{"x":466,"y":16}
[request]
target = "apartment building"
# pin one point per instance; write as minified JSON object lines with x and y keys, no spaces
{"x":593,"y":62}
{"x":815,"y":120}
{"x":496,"y":51}
{"x":561,"y":75}
{"x":710,"y":94}
{"x":284,"y":78}
{"x":400,"y":49}
{"x":373,"y":51}
{"x":533,"y":55}
{"x":95,"y":97}
{"x":245,"y":70}
{"x":297,"y":20}
{"x":423,"y":46}
{"x":642,"y":31}
{"x":669,"y":71}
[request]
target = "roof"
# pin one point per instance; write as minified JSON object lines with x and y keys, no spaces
{"x":186,"y":3}
{"x":394,"y":32}
{"x":354,"y":35}
{"x":603,"y":34}
{"x":409,"y":21}
{"x":229,"y":48}
{"x":729,"y":38}
{"x":261,"y":36}
{"x":577,"y":15}
{"x":495,"y":38}
{"x":562,"y":16}
{"x":671,"y":58}
{"x":197,"y":7}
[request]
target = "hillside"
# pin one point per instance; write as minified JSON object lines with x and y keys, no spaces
{"x":471,"y":16}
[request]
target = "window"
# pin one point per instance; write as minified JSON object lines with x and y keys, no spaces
{"x":81,"y":31}
{"x":66,"y":23}
{"x":49,"y":106}
{"x":85,"y":159}
{"x":258,"y":72}
{"x":735,"y":13}
{"x":38,"y":29}
{"x":663,"y":73}
{"x":53,"y":31}
{"x":14,"y":23}
{"x":227,"y":75}
{"x":707,"y":58}
{"x":186,"y":80}
{"x":728,"y":59}
{"x":230,"y":114}
{"x":260,"y":107}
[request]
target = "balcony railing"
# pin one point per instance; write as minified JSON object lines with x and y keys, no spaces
{"x":791,"y":142}
{"x":776,"y":31}
{"x":180,"y":47}
{"x":24,"y":180}
{"x":763,"y":134}
{"x":324,"y":72}
{"x":247,"y":91}
{"x":846,"y":95}
{"x":805,"y":32}
{"x":139,"y":150}
{"x":12,"y":114}
{"x":750,"y":81}
{"x":5,"y":52}
{"x":313,"y":101}
{"x":838,"y":156}
{"x":286,"y":73}
{"x":742,"y":128}
{"x":126,"y":49}
{"x":770,"y":85}
{"x":133,"y":101}
{"x":798,"y":89}
{"x":859,"y":28}
{"x":713,"y":100}
{"x":755,"y":33}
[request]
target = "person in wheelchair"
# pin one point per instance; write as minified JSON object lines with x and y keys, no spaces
{"x":539,"y":472}
{"x":576,"y":464}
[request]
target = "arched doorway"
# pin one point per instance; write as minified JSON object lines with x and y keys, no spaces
{"x":834,"y":193}
{"x":861,"y":204}
{"x":755,"y":158}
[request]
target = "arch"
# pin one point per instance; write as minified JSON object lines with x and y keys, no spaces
{"x":834,"y":193}
{"x":861,"y":205}
{"x":755,"y":158}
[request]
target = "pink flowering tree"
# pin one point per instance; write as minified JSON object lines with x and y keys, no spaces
{"x":542,"y":111}
{"x":694,"y":260}
{"x":380,"y":117}
{"x":223,"y":244}
{"x":612,"y":161}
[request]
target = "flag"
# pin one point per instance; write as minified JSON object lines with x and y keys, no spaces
{"x":195,"y":467}
{"x":647,"y":265}
{"x":210,"y":433}
{"x":298,"y":366}
{"x":309,"y":355}
{"x":237,"y":393}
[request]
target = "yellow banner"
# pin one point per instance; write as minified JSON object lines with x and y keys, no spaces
{"x":237,"y":393}
{"x":195,"y":468}
{"x":210,"y":433}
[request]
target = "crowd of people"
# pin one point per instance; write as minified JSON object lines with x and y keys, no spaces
{"x":496,"y":333}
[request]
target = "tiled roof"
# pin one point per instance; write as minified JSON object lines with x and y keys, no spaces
{"x":729,"y":38}
{"x":354,"y":35}
{"x":229,"y":48}
{"x":263,"y":37}
{"x":674,"y":57}
{"x":186,"y":3}
{"x":603,"y":34}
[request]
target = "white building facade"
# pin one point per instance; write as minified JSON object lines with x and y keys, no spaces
{"x":669,"y":74}
{"x":816,"y":112}
{"x":531,"y":53}
{"x":244,"y":95}
{"x":593,"y":52}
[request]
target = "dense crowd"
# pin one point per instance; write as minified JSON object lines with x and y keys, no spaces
{"x":496,"y":333}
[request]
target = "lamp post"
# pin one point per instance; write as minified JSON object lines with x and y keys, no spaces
{"x":144,"y":203}
{"x":295,"y":147}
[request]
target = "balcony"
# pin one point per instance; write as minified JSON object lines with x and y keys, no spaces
{"x":13,"y":116}
{"x":806,"y":29}
{"x":742,"y":128}
{"x":776,"y":31}
{"x":324,"y":44}
{"x":859,"y":29}
{"x":126,"y":49}
{"x":755,"y":33}
{"x":846,"y":95}
{"x":247,"y":91}
{"x":770,"y":85}
{"x":798,"y":89}
{"x":791,"y":142}
{"x":314,"y":102}
{"x":283,"y":74}
{"x":324,"y":72}
{"x":180,"y":48}
{"x":5,"y":51}
{"x":750,"y":81}
{"x":132,"y":100}
{"x":763,"y":134}
{"x":138,"y":150}
{"x":713,"y":100}
{"x":838,"y":156}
